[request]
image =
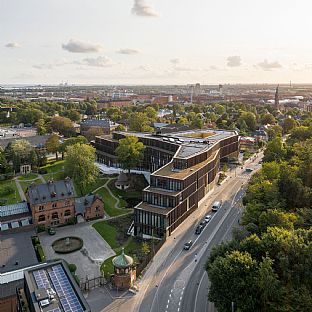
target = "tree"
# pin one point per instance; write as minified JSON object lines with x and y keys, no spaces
{"x":52,"y":144}
{"x":151,"y":113}
{"x":275,"y":131}
{"x":80,"y":165}
{"x":72,"y":114}
{"x":275,"y":150}
{"x":198,"y":122}
{"x":120,"y":128}
{"x":130,"y":152}
{"x":268,"y":119}
{"x":63,"y":125}
{"x":20,"y":153}
{"x":139,"y":122}
{"x":93,"y":132}
{"x":250,"y":120}
{"x":41,"y":127}
{"x":289,"y":124}
{"x":71,"y":141}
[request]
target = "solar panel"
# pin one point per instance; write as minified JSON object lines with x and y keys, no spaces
{"x":64,"y":290}
{"x":41,"y":279}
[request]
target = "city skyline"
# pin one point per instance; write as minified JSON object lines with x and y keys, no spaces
{"x":154,"y":42}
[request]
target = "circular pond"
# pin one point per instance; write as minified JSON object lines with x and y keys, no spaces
{"x":67,"y":244}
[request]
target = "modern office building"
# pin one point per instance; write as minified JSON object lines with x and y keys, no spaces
{"x":184,"y":168}
{"x":50,"y":288}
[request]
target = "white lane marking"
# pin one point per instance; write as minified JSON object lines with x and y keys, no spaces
{"x":173,"y":262}
{"x":201,"y":280}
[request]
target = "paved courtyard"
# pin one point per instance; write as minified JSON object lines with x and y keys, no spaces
{"x":88,"y":260}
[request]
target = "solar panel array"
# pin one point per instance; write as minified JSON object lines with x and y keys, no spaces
{"x":41,"y":279}
{"x":64,"y":290}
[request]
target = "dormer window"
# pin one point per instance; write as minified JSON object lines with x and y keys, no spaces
{"x":54,"y":205}
{"x":53,"y":194}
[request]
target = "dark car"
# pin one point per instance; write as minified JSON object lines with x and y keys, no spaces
{"x":51,"y":231}
{"x":199,"y":229}
{"x":188,"y":245}
{"x":203,"y":223}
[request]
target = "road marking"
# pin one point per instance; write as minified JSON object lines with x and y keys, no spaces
{"x":201,"y":280}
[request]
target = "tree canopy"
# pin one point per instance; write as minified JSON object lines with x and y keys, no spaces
{"x":130,"y":152}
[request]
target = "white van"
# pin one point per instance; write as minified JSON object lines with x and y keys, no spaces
{"x":216,"y":205}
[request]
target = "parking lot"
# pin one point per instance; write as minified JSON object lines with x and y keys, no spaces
{"x":88,"y":259}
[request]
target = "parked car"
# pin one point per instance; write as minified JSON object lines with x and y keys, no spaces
{"x":216,"y":205}
{"x":207,"y":218}
{"x":203,"y":223}
{"x":249,"y":170}
{"x":51,"y":231}
{"x":199,"y":229}
{"x":188,"y":245}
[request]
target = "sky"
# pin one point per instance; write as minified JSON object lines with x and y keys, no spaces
{"x":155,"y":41}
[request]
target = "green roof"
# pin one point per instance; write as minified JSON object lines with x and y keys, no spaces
{"x":122,"y":261}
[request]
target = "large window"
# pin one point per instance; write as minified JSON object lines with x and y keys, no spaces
{"x":41,"y":218}
{"x":54,"y":215}
{"x":67,"y":213}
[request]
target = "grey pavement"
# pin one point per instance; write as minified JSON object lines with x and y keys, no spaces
{"x":20,"y":189}
{"x":88,"y":260}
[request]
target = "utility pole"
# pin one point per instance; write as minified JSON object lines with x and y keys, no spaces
{"x":232,"y":306}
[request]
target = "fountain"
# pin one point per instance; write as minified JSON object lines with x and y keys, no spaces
{"x":67,"y":244}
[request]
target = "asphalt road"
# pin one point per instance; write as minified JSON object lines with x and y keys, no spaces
{"x":180,"y":283}
{"x":175,"y":280}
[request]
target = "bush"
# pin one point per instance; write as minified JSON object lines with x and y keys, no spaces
{"x":71,"y":221}
{"x":72,"y":267}
{"x":40,"y":228}
{"x":35,"y":240}
{"x":40,"y":253}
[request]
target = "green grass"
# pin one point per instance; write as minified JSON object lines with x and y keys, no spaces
{"x":109,"y":204}
{"x":29,"y":176}
{"x":25,"y":184}
{"x":108,"y":232}
{"x":53,"y":176}
{"x":13,"y":198}
{"x":55,"y":166}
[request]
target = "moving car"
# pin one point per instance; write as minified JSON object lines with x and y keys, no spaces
{"x":207,"y":218}
{"x":188,"y":245}
{"x":216,"y":206}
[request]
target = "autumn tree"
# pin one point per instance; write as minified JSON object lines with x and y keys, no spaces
{"x":53,"y":144}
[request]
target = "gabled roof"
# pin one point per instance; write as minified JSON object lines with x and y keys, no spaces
{"x":84,"y":202}
{"x":51,"y":191}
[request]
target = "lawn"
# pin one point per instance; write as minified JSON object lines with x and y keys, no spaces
{"x":109,"y":203}
{"x":25,"y":184}
{"x":55,"y":170}
{"x":29,"y":176}
{"x":114,"y":233}
{"x":12,"y":198}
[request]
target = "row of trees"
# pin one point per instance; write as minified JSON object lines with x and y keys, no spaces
{"x":267,"y":266}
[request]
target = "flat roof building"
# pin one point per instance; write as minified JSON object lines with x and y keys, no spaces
{"x":184,"y":166}
{"x":51,"y":288}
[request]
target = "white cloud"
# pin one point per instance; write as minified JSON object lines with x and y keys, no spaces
{"x":234,"y":61}
{"x":76,"y":46}
{"x":128,"y":51}
{"x":12,"y":45}
{"x":266,"y":65}
{"x":140,"y":8}
{"x":101,"y":61}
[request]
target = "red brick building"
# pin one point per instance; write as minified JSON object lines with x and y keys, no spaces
{"x":55,"y":203}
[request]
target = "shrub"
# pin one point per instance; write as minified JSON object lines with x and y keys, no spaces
{"x":35,"y":240}
{"x":40,"y":228}
{"x":71,"y":221}
{"x":40,"y":253}
{"x":72,"y":267}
